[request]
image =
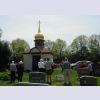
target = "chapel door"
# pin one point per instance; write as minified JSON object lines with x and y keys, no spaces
{"x":35,"y":61}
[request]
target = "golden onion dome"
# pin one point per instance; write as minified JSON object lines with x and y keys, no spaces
{"x":39,"y":35}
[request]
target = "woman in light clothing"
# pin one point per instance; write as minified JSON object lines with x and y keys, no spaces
{"x":41,"y":65}
{"x":48,"y":67}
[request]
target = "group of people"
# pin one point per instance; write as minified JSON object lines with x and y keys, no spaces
{"x":47,"y":67}
{"x":20,"y":69}
{"x":44,"y":66}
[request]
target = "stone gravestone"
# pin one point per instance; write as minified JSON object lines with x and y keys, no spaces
{"x":83,"y":71}
{"x":88,"y":81}
{"x":37,"y":77}
{"x":30,"y":84}
{"x":96,"y":69}
{"x":59,"y":77}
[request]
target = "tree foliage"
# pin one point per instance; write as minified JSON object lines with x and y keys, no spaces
{"x":53,"y":47}
{"x":79,"y":47}
{"x":0,"y":33}
{"x":48,"y":44}
{"x":18,"y":46}
{"x":94,"y":45}
{"x":5,"y":54}
{"x":62,"y":46}
{"x":79,"y":42}
{"x":57,"y":47}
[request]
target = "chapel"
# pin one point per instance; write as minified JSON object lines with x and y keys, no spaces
{"x":33,"y":56}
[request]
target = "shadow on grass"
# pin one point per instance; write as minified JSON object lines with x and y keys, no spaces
{"x":96,"y":75}
{"x":9,"y":82}
{"x":68,"y":84}
{"x":49,"y":83}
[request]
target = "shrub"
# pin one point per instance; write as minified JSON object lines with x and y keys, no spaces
{"x":5,"y":76}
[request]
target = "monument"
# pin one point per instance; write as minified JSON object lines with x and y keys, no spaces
{"x":83,"y":71}
{"x":37,"y":77}
{"x":88,"y":81}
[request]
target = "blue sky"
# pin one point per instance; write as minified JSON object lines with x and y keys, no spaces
{"x":52,"y":27}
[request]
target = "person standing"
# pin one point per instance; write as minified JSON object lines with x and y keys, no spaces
{"x":48,"y":67}
{"x":20,"y":70}
{"x":66,"y":71}
{"x":90,"y":68}
{"x":62,"y":64}
{"x":41,"y":66}
{"x":12,"y":71}
{"x":52,"y":63}
{"x":44,"y":60}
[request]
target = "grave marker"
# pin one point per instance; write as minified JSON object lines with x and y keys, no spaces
{"x":37,"y":77}
{"x":30,"y":84}
{"x":83,"y":71}
{"x":59,"y":77}
{"x":88,"y":81}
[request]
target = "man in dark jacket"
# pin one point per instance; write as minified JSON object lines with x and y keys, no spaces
{"x":20,"y":70}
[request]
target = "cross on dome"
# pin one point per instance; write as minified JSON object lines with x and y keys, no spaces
{"x":39,"y":26}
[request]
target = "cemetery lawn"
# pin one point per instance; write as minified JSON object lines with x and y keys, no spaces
{"x":57,"y":71}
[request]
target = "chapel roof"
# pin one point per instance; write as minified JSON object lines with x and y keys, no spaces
{"x":43,"y":50}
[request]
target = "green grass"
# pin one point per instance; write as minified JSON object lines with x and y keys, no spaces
{"x":57,"y":71}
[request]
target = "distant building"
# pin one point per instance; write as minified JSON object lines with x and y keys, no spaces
{"x":33,"y":56}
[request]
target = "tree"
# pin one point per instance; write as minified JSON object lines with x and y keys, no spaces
{"x":53,"y":47}
{"x":67,"y":53}
{"x":48,"y":44}
{"x":79,"y":46}
{"x":0,"y":33}
{"x":94,"y":46}
{"x":57,"y":47}
{"x":5,"y":54}
{"x":55,"y":50}
{"x":18,"y":46}
{"x":62,"y":46}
